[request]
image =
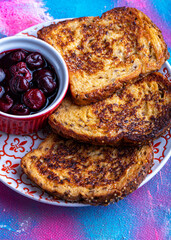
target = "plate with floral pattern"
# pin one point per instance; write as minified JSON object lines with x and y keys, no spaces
{"x":14,"y":147}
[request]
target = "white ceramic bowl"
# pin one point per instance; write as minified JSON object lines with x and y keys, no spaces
{"x":15,"y":124}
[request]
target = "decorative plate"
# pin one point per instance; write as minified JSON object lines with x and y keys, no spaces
{"x":13,"y":148}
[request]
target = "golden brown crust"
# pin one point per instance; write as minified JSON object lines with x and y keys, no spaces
{"x":86,"y":173}
{"x":104,"y":53}
{"x":136,"y":114}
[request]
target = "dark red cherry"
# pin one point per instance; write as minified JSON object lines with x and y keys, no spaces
{"x":6,"y":103}
{"x":2,"y":75}
{"x":18,"y":56}
{"x":35,"y":61}
{"x":22,"y":70}
{"x":34,"y":99}
{"x":19,"y":84}
{"x":19,"y":109}
{"x":2,"y":91}
{"x":45,"y":81}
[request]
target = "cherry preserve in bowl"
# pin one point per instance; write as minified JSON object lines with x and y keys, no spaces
{"x":33,"y":82}
{"x":28,"y":82}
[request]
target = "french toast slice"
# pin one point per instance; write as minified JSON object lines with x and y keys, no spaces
{"x":135,"y":114}
{"x":104,"y":53}
{"x":79,"y":172}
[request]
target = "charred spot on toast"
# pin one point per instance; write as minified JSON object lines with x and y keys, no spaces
{"x":107,"y":167}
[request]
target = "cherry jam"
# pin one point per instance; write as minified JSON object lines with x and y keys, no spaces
{"x":28,"y":82}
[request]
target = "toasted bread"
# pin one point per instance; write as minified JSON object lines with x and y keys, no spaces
{"x":104,"y":53}
{"x":136,"y":114}
{"x":85,"y":173}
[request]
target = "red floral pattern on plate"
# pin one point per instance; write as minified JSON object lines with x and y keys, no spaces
{"x":17,"y":145}
{"x":166,"y":72}
{"x":8,"y":166}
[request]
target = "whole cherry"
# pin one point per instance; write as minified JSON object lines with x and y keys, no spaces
{"x":45,"y":81}
{"x":18,"y":55}
{"x":19,"y":84}
{"x":34,"y":99}
{"x":22,"y":70}
{"x":6,"y":103}
{"x":19,"y":109}
{"x":35,"y":61}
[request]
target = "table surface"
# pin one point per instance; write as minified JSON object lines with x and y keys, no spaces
{"x":145,"y":214}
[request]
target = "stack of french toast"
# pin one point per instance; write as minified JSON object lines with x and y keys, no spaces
{"x":117,"y":104}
